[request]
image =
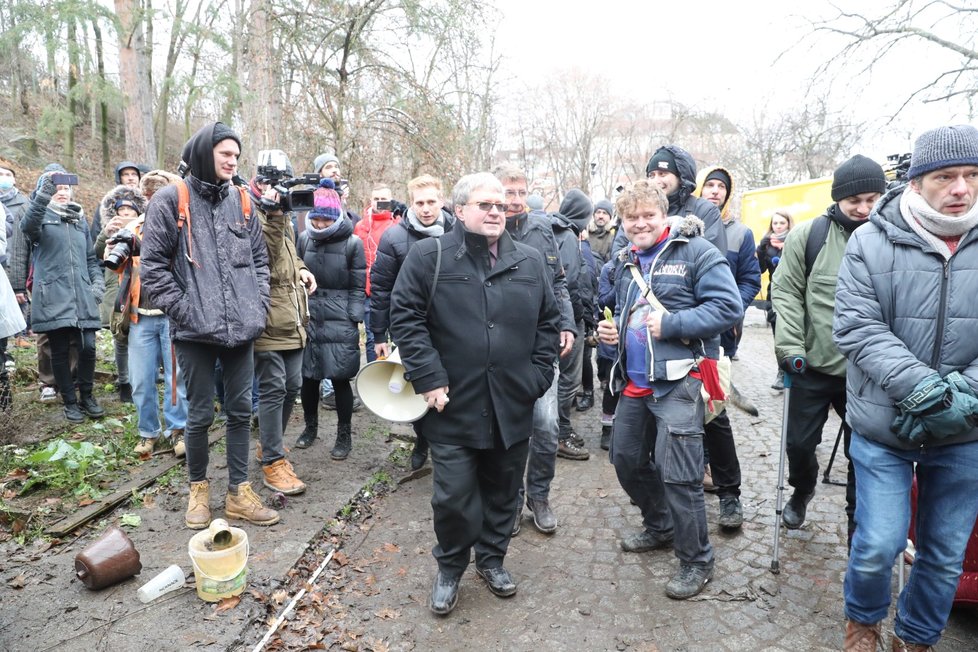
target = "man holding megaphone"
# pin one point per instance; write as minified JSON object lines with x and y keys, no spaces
{"x":478,"y":328}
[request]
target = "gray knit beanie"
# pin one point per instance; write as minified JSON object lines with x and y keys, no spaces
{"x":856,"y":176}
{"x":323,"y":159}
{"x":942,"y":148}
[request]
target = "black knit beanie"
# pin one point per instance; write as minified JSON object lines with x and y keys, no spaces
{"x":856,"y":176}
{"x":662,"y":160}
{"x":223,"y":132}
{"x":719,"y":175}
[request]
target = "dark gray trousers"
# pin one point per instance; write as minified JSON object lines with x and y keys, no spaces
{"x":197,"y":366}
{"x":279,"y":376}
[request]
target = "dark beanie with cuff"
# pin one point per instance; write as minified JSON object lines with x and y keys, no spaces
{"x":943,"y":147}
{"x":223,"y":132}
{"x":719,"y":175}
{"x":856,"y":176}
{"x":662,"y":160}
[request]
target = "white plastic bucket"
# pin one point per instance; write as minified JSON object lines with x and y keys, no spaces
{"x":219,"y":573}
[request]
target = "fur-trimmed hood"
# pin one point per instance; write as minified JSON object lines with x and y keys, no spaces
{"x":121,"y":193}
{"x":688,"y":226}
{"x":153,"y":180}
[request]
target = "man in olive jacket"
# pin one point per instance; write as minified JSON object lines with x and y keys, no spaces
{"x":478,"y":339}
{"x":804,"y":300}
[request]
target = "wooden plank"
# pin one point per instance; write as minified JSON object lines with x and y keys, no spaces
{"x":147,"y":477}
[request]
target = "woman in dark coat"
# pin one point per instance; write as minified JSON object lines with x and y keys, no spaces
{"x":68,"y":287}
{"x":335,"y":256}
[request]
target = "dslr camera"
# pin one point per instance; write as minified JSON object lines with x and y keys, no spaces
{"x":125,"y":244}
{"x":295,"y":193}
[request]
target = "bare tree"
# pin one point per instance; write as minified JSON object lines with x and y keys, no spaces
{"x":942,"y":26}
{"x":140,"y":144}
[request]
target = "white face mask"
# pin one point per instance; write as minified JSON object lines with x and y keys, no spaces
{"x":6,"y":183}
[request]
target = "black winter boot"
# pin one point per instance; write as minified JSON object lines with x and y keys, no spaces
{"x":90,"y":406}
{"x":308,"y":436}
{"x":125,"y":393}
{"x":420,"y":453}
{"x":584,"y":401}
{"x":605,"y":437}
{"x":344,"y":444}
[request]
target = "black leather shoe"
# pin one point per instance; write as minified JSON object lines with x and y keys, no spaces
{"x":444,"y":594}
{"x":420,"y":453}
{"x":605,"y":437}
{"x":793,"y":515}
{"x":499,"y":581}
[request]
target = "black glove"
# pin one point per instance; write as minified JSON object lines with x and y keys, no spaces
{"x":47,"y":189}
{"x":793,"y":364}
{"x":398,"y":209}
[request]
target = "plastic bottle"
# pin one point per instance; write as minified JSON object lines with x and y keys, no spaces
{"x":169,"y":580}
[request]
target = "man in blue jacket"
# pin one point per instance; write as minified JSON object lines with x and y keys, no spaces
{"x":905,"y":318}
{"x":674,"y":296}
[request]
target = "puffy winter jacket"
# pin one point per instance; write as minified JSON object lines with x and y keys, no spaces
{"x":902,"y":313}
{"x":336,"y":307}
{"x":391,"y":252}
{"x":692,"y":280}
{"x":221,"y":296}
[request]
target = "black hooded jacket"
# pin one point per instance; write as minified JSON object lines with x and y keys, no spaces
{"x":210,"y":276}
{"x":683,"y":203}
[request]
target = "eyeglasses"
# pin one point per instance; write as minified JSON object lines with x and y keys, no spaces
{"x":486,"y":206}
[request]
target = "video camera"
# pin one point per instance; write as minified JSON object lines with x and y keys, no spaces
{"x":897,"y":166}
{"x":295,"y":193}
{"x":125,"y":244}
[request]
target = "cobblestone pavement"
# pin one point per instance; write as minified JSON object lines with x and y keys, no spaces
{"x":579,"y":591}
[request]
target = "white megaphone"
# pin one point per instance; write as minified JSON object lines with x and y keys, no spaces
{"x":384,"y":390}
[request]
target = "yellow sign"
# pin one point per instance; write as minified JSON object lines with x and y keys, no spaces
{"x":804,"y":201}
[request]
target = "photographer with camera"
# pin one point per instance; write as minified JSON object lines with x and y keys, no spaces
{"x":144,"y":327}
{"x":119,"y":207}
{"x":279,"y":349}
{"x":68,"y":288}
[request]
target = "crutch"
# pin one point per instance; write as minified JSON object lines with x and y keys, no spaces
{"x":797,"y":364}
{"x":835,"y":449}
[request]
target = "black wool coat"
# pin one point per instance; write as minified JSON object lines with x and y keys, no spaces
{"x":490,"y":335}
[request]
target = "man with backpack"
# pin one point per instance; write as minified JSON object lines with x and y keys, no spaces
{"x":803,"y":290}
{"x":205,"y":264}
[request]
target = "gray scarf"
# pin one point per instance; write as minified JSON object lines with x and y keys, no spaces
{"x":932,"y":225}
{"x":436,"y":229}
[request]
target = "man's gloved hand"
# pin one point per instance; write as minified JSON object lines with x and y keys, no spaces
{"x":793,"y":364}
{"x":938,"y":407}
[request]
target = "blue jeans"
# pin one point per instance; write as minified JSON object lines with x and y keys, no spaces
{"x":947,"y":506}
{"x":149,"y":340}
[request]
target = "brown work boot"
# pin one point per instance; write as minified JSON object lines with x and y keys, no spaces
{"x":244,"y":504}
{"x":279,"y":476}
{"x":179,"y":447}
{"x":198,"y":506}
{"x":899,"y":645}
{"x":862,"y":638}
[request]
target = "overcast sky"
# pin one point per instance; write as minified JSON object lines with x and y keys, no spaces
{"x":718,"y":55}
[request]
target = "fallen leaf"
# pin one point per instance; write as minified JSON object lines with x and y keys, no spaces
{"x":388,"y":614}
{"x":145,"y":456}
{"x":391,"y":547}
{"x":18,"y":582}
{"x":149,"y":501}
{"x":16,"y":474}
{"x":130,"y":520}
{"x":280,"y":596}
{"x":257,"y":595}
{"x":340,"y":558}
{"x":226,"y":604}
{"x":84,"y":502}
